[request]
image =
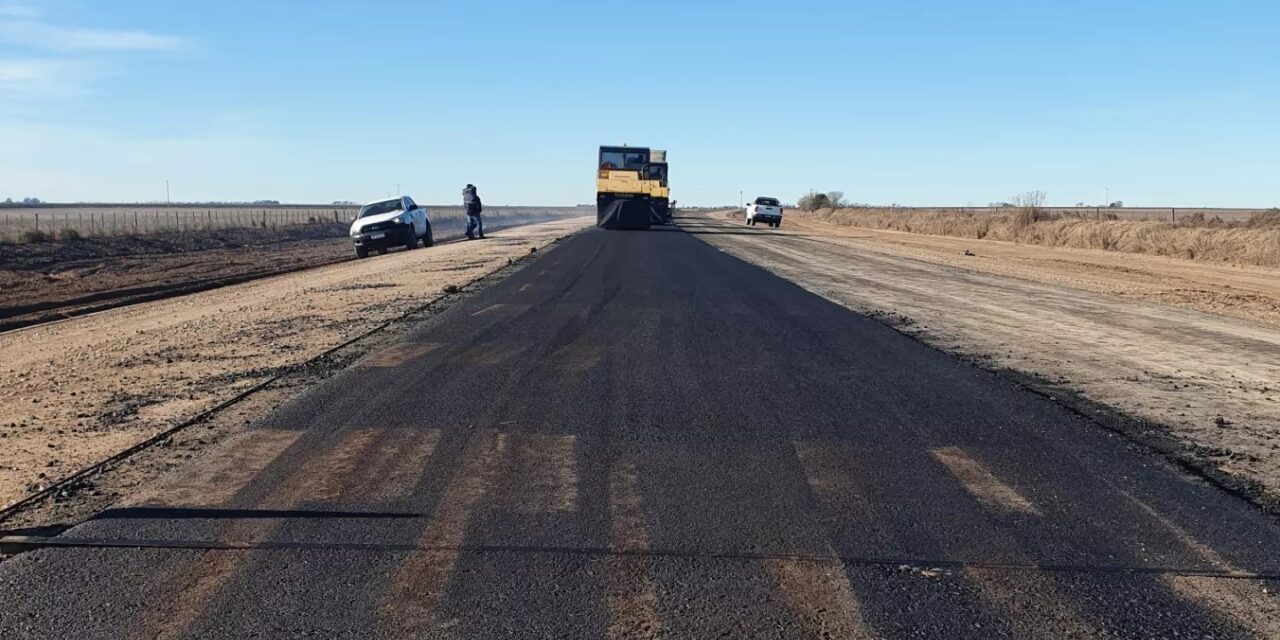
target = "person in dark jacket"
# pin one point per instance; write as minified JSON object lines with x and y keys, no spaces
{"x":471,"y":202}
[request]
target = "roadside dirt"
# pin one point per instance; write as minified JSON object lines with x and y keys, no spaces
{"x":76,"y":287}
{"x":75,"y":392}
{"x":40,"y":282}
{"x":1191,"y":348}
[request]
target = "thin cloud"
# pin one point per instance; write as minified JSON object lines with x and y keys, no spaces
{"x":41,"y":35}
{"x":15,"y":10}
{"x":39,"y":78}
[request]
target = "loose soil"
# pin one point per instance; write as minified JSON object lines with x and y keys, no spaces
{"x":75,"y":392}
{"x":1191,"y":349}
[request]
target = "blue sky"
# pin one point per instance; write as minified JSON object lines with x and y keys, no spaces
{"x":913,"y":102}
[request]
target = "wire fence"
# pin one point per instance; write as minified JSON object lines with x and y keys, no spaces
{"x":26,"y":225}
{"x":62,"y":223}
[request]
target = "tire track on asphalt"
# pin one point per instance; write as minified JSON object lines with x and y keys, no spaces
{"x":631,"y":596}
{"x":415,"y":603}
{"x":836,"y":493}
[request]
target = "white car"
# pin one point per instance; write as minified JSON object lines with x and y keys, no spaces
{"x":766,"y":210}
{"x":397,"y":222}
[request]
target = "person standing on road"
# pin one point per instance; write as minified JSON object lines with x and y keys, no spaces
{"x":471,"y":202}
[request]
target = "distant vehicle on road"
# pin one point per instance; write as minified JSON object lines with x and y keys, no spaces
{"x":766,"y":210}
{"x":397,"y":222}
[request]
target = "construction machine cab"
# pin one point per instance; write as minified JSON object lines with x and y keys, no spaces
{"x":622,"y":194}
{"x":623,"y":158}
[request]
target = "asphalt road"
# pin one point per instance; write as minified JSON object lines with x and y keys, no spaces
{"x":637,"y":435}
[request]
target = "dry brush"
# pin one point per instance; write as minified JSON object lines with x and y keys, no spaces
{"x":1255,"y":242}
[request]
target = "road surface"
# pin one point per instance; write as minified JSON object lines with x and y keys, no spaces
{"x":637,"y":435}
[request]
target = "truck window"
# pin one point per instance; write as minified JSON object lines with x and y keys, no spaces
{"x":623,"y":158}
{"x":379,"y":208}
{"x":613,"y":160}
{"x":656,"y":172}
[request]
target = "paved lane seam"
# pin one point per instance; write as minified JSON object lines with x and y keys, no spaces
{"x":16,"y":544}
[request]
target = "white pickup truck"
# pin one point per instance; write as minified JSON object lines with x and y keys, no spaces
{"x":398,"y":222}
{"x":766,"y":210}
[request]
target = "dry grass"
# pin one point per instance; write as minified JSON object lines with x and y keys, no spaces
{"x":1256,"y":241}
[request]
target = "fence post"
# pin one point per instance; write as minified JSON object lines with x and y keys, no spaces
{"x":37,"y":223}
{"x":1173,"y":214}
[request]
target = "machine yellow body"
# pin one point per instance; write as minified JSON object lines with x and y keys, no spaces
{"x":631,"y":187}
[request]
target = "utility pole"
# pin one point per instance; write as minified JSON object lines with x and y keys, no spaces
{"x":740,"y":198}
{"x":166,"y":192}
{"x":1108,"y":202}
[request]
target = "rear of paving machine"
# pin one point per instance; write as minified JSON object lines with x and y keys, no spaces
{"x":631,"y":188}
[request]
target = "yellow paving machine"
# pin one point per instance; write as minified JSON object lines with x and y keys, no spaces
{"x":631,"y":188}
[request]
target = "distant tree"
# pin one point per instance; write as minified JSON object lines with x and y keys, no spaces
{"x":829,"y":200}
{"x":8,"y":200}
{"x":31,"y":201}
{"x":813,"y":202}
{"x":1116,"y":205}
{"x":1033,"y":200}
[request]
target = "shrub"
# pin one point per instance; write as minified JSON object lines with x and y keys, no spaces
{"x":33,"y":237}
{"x":1265,"y":219}
{"x":68,"y":235}
{"x":815,"y":201}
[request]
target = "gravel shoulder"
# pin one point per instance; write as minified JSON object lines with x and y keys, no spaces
{"x":75,"y":392}
{"x":1191,"y":350}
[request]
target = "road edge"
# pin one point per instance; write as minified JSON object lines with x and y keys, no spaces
{"x":94,"y":488}
{"x":1149,"y":437}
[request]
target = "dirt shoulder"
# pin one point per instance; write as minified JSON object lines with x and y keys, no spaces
{"x":75,"y":392}
{"x":1191,"y":348}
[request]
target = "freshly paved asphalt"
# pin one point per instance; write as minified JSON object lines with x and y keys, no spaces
{"x":636,"y":435}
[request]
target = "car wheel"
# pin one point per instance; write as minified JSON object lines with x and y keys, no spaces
{"x":428,"y":240}
{"x":382,"y":251}
{"x":777,"y":224}
{"x":362,"y":252}
{"x":411,"y":242}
